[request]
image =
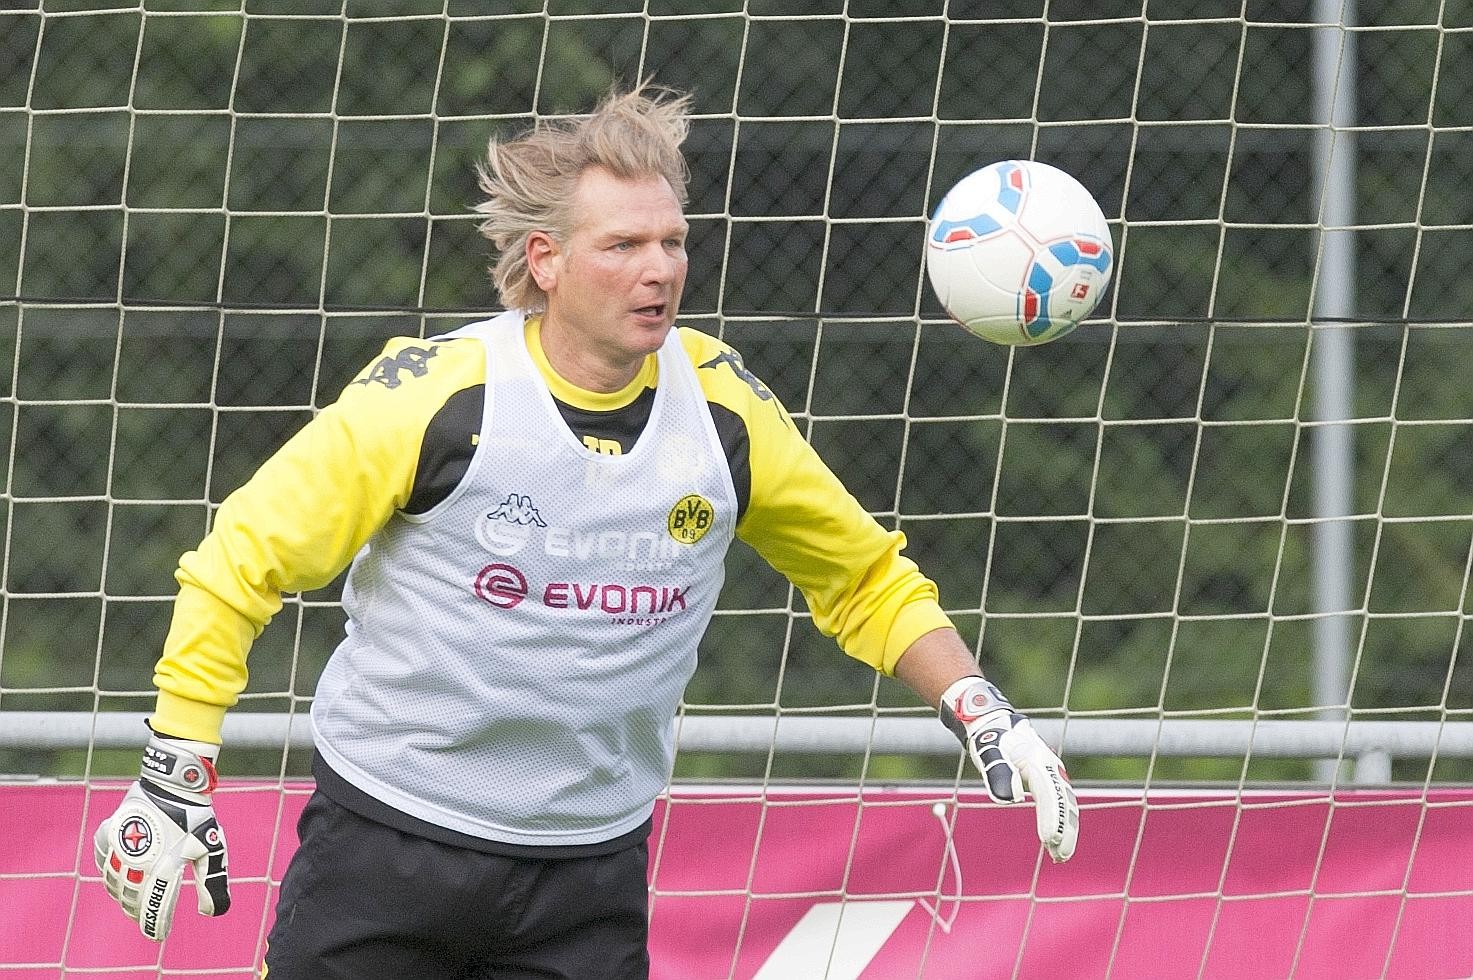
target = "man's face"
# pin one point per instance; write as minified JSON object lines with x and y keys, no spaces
{"x":613,"y":286}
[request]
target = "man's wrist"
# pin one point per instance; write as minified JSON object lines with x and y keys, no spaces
{"x":181,"y":766}
{"x":966,"y":700}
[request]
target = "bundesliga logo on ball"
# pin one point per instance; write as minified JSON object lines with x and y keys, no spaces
{"x":1019,"y":252}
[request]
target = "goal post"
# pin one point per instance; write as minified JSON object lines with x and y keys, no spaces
{"x":1217,"y":541}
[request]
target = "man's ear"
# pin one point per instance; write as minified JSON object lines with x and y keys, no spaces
{"x":544,"y":259}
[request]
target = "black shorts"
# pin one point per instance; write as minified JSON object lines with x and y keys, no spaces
{"x":363,"y":900}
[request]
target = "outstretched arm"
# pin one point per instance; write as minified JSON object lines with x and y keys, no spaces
{"x":872,"y":598}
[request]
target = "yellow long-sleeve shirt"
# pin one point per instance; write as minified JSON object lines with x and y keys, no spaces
{"x":398,"y":439}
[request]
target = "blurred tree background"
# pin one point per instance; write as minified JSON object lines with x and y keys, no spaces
{"x":213,"y":213}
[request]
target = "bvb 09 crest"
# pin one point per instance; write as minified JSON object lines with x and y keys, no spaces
{"x":690,"y":518}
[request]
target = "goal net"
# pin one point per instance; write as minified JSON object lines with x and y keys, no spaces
{"x":1216,"y":541}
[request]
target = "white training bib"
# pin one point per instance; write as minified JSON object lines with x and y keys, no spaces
{"x":514,"y":657}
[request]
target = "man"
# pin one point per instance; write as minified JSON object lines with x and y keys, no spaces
{"x":537,"y":509}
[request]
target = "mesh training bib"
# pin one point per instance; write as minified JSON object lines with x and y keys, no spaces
{"x":514,"y":657}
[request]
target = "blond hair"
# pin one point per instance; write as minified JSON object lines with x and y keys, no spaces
{"x":529,"y":181}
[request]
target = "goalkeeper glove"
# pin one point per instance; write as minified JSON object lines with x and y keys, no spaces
{"x":1011,"y":757}
{"x":166,"y":820}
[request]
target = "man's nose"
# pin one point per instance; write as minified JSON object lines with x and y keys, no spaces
{"x":662,"y":266}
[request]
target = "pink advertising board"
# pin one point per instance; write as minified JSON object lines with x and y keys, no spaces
{"x":892,"y":883}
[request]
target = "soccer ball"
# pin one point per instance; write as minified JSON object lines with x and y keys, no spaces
{"x":1018,"y":252}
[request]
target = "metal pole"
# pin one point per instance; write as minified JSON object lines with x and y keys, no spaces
{"x":1375,"y":741}
{"x":1333,"y":357}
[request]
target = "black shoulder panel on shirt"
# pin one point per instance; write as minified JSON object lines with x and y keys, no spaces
{"x":448,"y":446}
{"x":731,"y":428}
{"x":450,"y":442}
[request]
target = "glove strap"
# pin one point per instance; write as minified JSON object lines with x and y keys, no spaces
{"x":968,"y":699}
{"x":182,"y":766}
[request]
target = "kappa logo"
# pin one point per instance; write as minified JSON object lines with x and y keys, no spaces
{"x":414,"y":360}
{"x":733,"y":360}
{"x":517,"y":508}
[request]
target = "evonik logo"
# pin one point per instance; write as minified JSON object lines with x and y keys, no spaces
{"x":504,"y":586}
{"x":633,"y":551}
{"x":613,"y":597}
{"x":630,"y":603}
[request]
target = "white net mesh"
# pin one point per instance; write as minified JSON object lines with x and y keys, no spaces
{"x":1241,"y":494}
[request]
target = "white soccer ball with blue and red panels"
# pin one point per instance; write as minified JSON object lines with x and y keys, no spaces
{"x":1019,"y":252}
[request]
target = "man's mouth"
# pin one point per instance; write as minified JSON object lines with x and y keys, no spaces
{"x":655,"y":310}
